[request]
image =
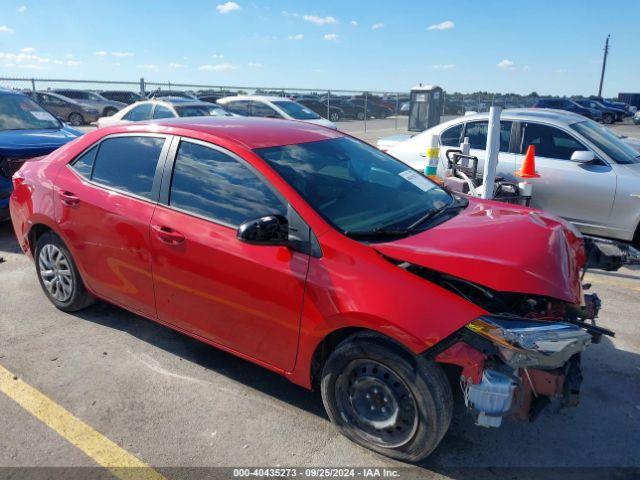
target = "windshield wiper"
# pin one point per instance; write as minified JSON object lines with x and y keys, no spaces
{"x":458,"y":202}
{"x":377,"y":232}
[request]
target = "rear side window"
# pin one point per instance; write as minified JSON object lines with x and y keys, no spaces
{"x":240,"y":107}
{"x":141,"y":112}
{"x":451,"y":136}
{"x":162,"y":112}
{"x":549,"y":141}
{"x":128,"y":163}
{"x":210,"y":183}
{"x":477,"y":133}
{"x":84,"y":163}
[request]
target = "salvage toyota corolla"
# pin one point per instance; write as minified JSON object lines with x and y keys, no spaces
{"x":319,"y":257}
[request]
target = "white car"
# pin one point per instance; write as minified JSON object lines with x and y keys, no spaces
{"x":589,"y":175}
{"x":273,"y":107}
{"x":169,"y":107}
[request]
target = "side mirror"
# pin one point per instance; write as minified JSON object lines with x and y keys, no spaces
{"x":269,"y":230}
{"x":583,"y":156}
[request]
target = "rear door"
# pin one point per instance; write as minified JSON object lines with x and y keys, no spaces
{"x":104,"y":202}
{"x":247,"y":298}
{"x":477,"y":133}
{"x":580,"y":192}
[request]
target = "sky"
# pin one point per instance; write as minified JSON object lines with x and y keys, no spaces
{"x":551,"y":47}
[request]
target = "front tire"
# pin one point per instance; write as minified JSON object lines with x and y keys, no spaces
{"x":385,"y":399}
{"x":360,"y":115}
{"x":109,"y":111}
{"x":334,"y":117}
{"x":58,"y":275}
{"x":607,"y":119}
{"x":76,"y":119}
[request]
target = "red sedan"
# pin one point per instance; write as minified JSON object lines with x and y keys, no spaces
{"x":319,"y":257}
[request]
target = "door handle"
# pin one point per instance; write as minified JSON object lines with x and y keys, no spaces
{"x":68,"y":198}
{"x":168,"y":235}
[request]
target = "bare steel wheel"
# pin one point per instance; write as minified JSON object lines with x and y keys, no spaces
{"x":58,"y":274}
{"x":55,"y":272}
{"x":376,"y":401}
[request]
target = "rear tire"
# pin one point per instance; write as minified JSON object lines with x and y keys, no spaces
{"x":607,"y":119}
{"x":386,"y":400}
{"x":360,"y":115}
{"x":76,"y":119}
{"x":109,"y":111}
{"x":58,"y":275}
{"x":334,"y":117}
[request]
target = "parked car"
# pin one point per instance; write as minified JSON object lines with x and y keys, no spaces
{"x":105,"y":106}
{"x":351,"y":109}
{"x":374,"y":109}
{"x":612,"y":103}
{"x":166,"y":107}
{"x":335,"y":113}
{"x":272,"y":107}
{"x":171,"y":93}
{"x":321,"y":258}
{"x":609,"y":114}
{"x":569,"y":106}
{"x":636,"y":118}
{"x":123,"y":96}
{"x":75,"y":113}
{"x":590,"y":176}
{"x":26,"y":131}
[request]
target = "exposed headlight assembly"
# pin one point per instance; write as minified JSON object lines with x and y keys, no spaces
{"x":532,"y":343}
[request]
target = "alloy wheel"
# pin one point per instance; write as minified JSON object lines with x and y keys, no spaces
{"x":375,"y":401}
{"x":55,"y":271}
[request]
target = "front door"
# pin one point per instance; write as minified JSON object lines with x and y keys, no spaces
{"x":580,"y":192}
{"x":104,"y":202}
{"x":247,"y":298}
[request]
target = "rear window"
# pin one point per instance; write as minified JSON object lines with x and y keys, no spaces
{"x":128,"y":163}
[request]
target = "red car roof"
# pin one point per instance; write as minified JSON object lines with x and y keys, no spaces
{"x":251,"y":132}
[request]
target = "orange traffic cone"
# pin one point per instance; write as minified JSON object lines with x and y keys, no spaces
{"x":528,"y":169}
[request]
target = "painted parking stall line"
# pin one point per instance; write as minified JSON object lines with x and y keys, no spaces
{"x":96,"y":446}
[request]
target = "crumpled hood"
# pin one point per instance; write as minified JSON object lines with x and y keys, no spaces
{"x":500,"y":246}
{"x":27,"y":143}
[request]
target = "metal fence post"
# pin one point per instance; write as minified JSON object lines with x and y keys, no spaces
{"x":33,"y":85}
{"x":142,"y":88}
{"x":328,"y":104}
{"x":397,"y":101}
{"x":365,"y":111}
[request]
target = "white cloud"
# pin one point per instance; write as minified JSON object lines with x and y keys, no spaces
{"x":354,"y":23}
{"x":73,"y":63}
{"x":217,"y":56}
{"x":176,"y":65}
{"x":23,"y":58}
{"x":219,"y":67}
{"x":331,"y":36}
{"x":377,"y":26}
{"x":446,"y":25}
{"x":254,"y":65}
{"x":298,"y":36}
{"x":5,"y":29}
{"x":320,"y":20}
{"x":227,"y":7}
{"x":289,"y":14}
{"x":444,"y":66}
{"x":122,"y":54}
{"x":101,"y":53}
{"x":21,"y":9}
{"x":148,"y":66}
{"x":28,"y":66}
{"x":506,"y":64}
{"x":27,"y":50}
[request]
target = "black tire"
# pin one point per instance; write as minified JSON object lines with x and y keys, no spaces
{"x":109,"y":111}
{"x":334,"y":116}
{"x":607,"y":119}
{"x":74,"y":295}
{"x":415,"y":392}
{"x":360,"y":115}
{"x":76,"y":119}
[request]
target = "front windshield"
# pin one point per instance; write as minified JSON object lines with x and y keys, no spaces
{"x":95,"y":96}
{"x":297,"y":111}
{"x":18,"y":112}
{"x":354,"y":186}
{"x":607,"y":141}
{"x":201,"y":111}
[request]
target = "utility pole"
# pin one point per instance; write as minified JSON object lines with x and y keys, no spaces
{"x":604,"y":64}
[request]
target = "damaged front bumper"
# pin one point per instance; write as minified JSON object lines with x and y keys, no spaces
{"x":513,"y":366}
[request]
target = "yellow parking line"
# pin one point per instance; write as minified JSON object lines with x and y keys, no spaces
{"x":95,"y":445}
{"x":629,"y":285}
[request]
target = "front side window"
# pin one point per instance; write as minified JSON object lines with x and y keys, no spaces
{"x":354,"y":186}
{"x":451,"y":136}
{"x":297,"y":111}
{"x":139,"y":113}
{"x":128,"y":163}
{"x":51,"y":100}
{"x":212,"y":184}
{"x":477,"y":133}
{"x":201,"y":111}
{"x":549,"y":141}
{"x":606,"y":141}
{"x":162,"y":112}
{"x":259,"y":109}
{"x":19,"y":112}
{"x":240,"y":107}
